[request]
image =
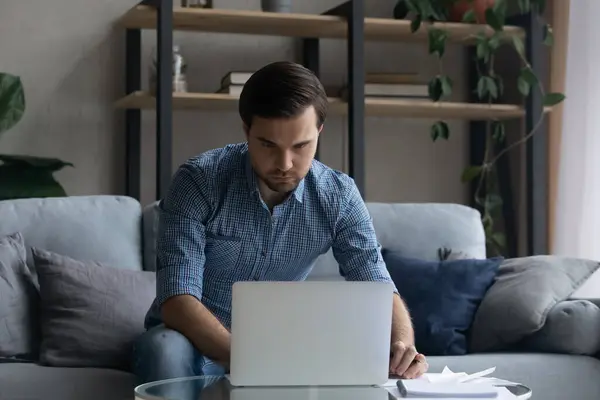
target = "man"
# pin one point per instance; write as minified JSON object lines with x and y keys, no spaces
{"x":260,"y":210}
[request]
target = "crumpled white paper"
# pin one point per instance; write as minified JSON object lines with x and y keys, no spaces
{"x":448,"y":376}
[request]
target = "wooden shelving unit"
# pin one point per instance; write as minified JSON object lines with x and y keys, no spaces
{"x":373,"y":107}
{"x":297,"y":25}
{"x":345,"y":22}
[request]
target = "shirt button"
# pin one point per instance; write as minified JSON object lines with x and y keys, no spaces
{"x":264,"y":253}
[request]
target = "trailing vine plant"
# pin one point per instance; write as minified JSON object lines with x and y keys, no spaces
{"x":490,"y":87}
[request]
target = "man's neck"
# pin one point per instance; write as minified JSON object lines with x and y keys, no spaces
{"x":270,"y":197}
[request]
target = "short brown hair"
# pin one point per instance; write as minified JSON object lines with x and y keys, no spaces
{"x":282,"y":89}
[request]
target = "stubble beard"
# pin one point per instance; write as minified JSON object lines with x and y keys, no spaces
{"x":281,"y":187}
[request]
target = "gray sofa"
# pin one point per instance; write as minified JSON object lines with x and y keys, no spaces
{"x":116,"y":232}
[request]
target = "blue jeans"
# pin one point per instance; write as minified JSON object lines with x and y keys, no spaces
{"x":163,"y":353}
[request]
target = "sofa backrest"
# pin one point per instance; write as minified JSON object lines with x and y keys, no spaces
{"x":102,"y":228}
{"x":417,"y":230}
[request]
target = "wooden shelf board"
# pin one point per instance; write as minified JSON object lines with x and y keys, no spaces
{"x":298,"y":25}
{"x":373,"y":107}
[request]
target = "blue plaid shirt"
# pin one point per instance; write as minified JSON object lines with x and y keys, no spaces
{"x":216,"y":230}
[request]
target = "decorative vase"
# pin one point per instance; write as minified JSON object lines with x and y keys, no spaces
{"x":459,"y":9}
{"x":279,"y":6}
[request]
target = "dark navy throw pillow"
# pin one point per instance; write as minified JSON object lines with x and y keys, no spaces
{"x":442,"y":298}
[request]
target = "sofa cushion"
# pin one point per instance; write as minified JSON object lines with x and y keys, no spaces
{"x":442,"y":298}
{"x":572,"y":327}
{"x":90,"y":313}
{"x":103,"y":228}
{"x":518,"y":302}
{"x":18,"y":301}
{"x":34,"y":382}
{"x":417,"y":230}
{"x":150,"y":220}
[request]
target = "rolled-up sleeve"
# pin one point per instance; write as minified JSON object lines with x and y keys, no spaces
{"x":181,"y":236}
{"x":355,"y":246}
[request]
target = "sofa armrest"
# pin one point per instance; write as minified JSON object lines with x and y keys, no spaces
{"x":571,"y":327}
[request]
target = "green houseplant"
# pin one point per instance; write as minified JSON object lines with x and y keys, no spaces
{"x":490,"y":85}
{"x":23,"y":176}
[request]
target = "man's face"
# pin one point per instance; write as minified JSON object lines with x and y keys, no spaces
{"x":282,"y":150}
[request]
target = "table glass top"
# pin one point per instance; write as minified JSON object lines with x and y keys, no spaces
{"x":219,"y":388}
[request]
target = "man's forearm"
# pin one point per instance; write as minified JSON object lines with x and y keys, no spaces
{"x":190,"y":317}
{"x":402,"y":329}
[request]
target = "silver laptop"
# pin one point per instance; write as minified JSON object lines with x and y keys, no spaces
{"x":310,"y":333}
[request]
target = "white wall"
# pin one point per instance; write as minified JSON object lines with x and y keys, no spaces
{"x":70,"y":56}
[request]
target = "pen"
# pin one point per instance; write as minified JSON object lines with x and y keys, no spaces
{"x":401,"y":388}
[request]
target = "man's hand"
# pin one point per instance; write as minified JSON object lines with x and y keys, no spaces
{"x":406,"y":362}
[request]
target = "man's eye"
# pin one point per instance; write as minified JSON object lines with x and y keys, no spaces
{"x":267,"y":144}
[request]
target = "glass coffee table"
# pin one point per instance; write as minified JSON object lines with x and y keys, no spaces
{"x":219,"y":388}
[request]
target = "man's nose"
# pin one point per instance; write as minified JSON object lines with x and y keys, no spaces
{"x":284,"y":161}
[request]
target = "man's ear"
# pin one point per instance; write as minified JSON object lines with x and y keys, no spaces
{"x":321,"y":128}
{"x":246,"y":130}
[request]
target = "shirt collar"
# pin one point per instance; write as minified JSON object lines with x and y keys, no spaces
{"x":253,"y":181}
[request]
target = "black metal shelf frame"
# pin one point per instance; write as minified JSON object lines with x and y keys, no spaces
{"x":353,"y":11}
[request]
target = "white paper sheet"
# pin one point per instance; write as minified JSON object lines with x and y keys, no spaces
{"x":503,"y":394}
{"x":448,"y":376}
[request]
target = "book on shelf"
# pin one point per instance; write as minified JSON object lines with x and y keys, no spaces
{"x":235,"y":78}
{"x":391,"y":78}
{"x":392,"y":91}
{"x":233,"y":90}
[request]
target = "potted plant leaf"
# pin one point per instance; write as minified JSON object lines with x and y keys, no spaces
{"x":490,"y":85}
{"x":23,"y":176}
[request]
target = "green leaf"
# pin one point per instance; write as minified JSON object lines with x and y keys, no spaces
{"x":483,"y":50}
{"x":434,"y":132}
{"x":552,"y":99}
{"x":471,"y":172}
{"x":494,"y":20}
{"x":440,"y":130}
{"x":526,"y":81}
{"x":12,"y":101}
{"x":494,"y":41}
{"x":523,"y":86}
{"x":491,"y":87}
{"x":435,"y":88}
{"x":499,"y":84}
{"x":487,"y":86}
{"x":518,"y":45}
{"x":524,"y":6}
{"x":49,"y":164}
{"x":447,"y":84}
{"x":529,"y":76}
{"x":499,"y":239}
{"x":412,"y":7}
{"x":437,"y":41}
{"x":415,"y":23}
{"x":492,"y":201}
{"x":498,"y":131}
{"x":540,"y":6}
{"x":444,"y":130}
{"x":27,"y":179}
{"x":548,"y":35}
{"x":500,"y":7}
{"x":469,"y":16}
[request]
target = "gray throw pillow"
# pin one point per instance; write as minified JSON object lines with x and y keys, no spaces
{"x":525,"y":291}
{"x":18,"y":301}
{"x":90,"y":313}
